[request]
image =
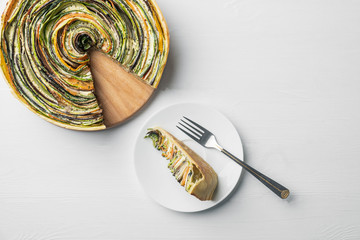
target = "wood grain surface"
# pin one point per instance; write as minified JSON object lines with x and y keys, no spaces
{"x":286,"y":73}
{"x":120,"y":93}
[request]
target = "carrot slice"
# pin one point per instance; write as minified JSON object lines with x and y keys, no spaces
{"x":169,"y":156}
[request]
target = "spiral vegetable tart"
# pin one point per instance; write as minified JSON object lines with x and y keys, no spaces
{"x":189,"y":169}
{"x":44,"y":52}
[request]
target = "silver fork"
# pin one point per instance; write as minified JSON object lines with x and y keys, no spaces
{"x":208,"y":140}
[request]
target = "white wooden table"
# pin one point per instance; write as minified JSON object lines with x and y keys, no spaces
{"x":286,"y":73}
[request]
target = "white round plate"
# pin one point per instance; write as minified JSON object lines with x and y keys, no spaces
{"x":152,"y":170}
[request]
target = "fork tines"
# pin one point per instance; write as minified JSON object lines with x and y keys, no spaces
{"x":191,"y":128}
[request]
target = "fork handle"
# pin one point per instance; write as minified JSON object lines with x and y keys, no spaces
{"x":277,"y":188}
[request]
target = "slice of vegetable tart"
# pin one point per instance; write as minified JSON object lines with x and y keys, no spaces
{"x":189,"y":169}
